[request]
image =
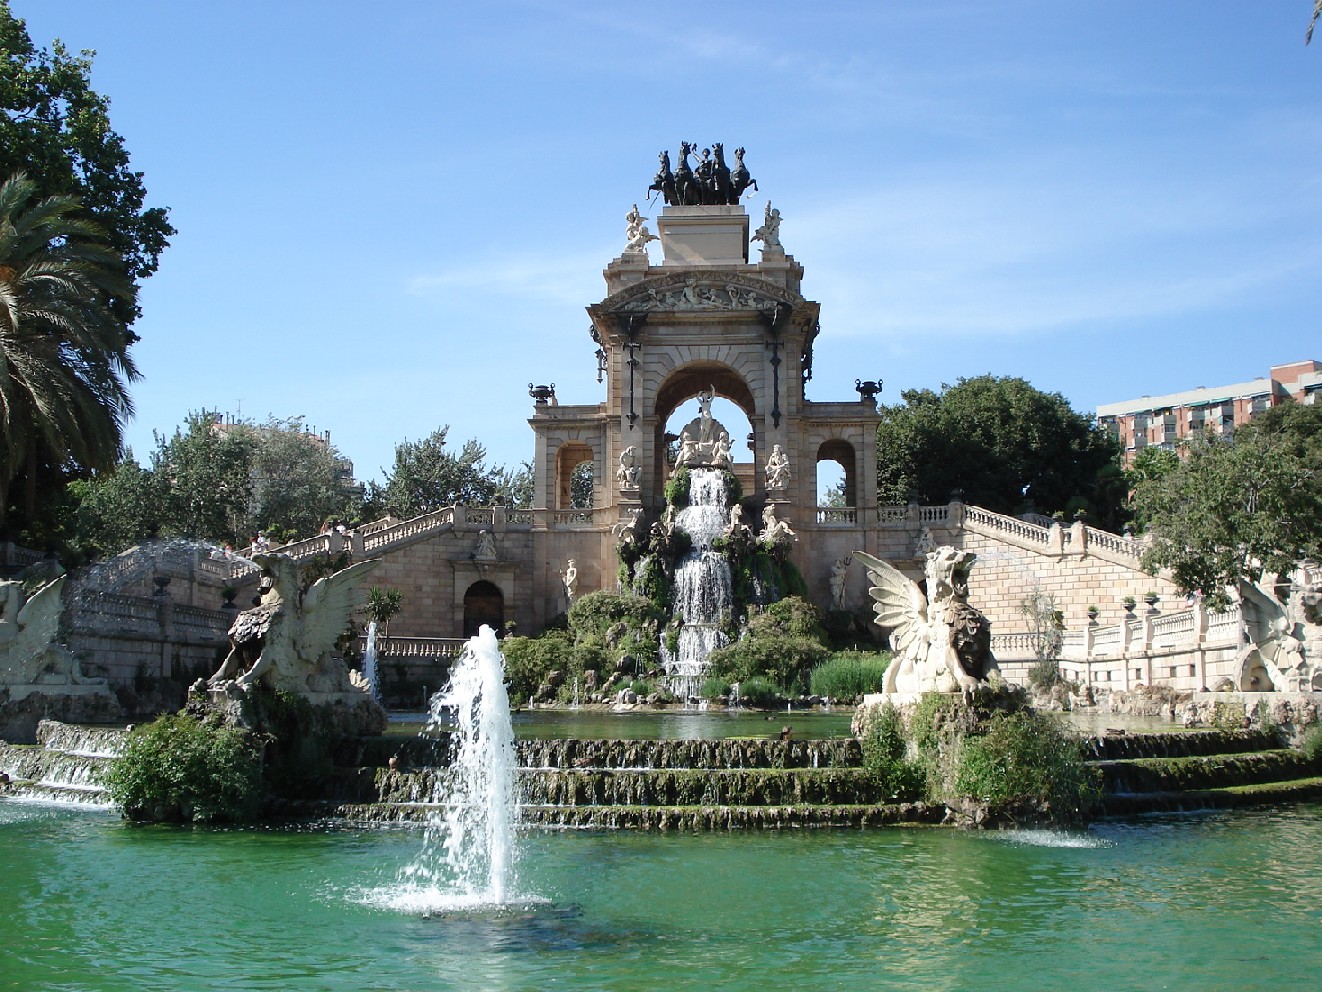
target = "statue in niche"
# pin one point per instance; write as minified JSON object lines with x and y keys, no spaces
{"x":628,"y":475}
{"x":486,"y":547}
{"x":839,"y":575}
{"x":286,"y":641}
{"x":29,"y":626}
{"x":720,"y":457}
{"x":777,"y":469}
{"x":769,"y":232}
{"x":775,"y":531}
{"x":570,"y":579}
{"x":636,"y":233}
{"x":926,"y":543}
{"x":941,"y":643}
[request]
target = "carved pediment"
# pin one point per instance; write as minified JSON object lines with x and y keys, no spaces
{"x":689,"y":291}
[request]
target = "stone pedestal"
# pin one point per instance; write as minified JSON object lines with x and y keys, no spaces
{"x":715,"y":235}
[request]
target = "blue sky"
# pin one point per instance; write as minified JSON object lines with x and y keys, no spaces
{"x":391,"y":216}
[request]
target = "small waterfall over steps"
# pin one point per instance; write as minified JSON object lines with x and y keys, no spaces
{"x":704,"y":594}
{"x":67,"y":764}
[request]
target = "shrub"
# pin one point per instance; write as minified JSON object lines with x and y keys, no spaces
{"x":1311,"y":743}
{"x":1025,"y":760}
{"x":677,"y":488}
{"x":848,"y":674}
{"x":597,"y":612}
{"x":714,"y":687}
{"x":528,"y":660}
{"x":180,"y":769}
{"x":885,"y":754}
{"x":786,"y":661}
{"x":789,"y":617}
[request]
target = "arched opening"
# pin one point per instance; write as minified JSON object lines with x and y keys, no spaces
{"x":677,"y":410}
{"x":836,"y":482}
{"x":483,"y":604}
{"x":576,"y":477}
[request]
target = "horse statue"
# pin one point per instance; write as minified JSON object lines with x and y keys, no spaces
{"x":687,"y":188}
{"x":664,"y":183}
{"x":740,"y":180}
{"x":720,"y":176}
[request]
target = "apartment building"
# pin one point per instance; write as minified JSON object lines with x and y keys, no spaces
{"x":1165,"y":420}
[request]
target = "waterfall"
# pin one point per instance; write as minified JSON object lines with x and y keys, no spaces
{"x":704,"y":594}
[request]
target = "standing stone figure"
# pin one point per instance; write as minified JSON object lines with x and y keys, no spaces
{"x":704,"y":414}
{"x":777,"y":469}
{"x":570,"y":579}
{"x":839,"y":572}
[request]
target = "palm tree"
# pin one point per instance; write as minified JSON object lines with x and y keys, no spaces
{"x":64,"y":361}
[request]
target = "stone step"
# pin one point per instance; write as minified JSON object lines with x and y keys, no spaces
{"x":1258,"y":794}
{"x":671,"y":817}
{"x":1204,"y":772}
{"x":1180,"y":744}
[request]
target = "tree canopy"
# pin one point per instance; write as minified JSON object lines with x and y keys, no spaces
{"x":219,"y":482}
{"x":1006,"y":445}
{"x":427,"y":476}
{"x":56,"y":129}
{"x":1239,"y":507}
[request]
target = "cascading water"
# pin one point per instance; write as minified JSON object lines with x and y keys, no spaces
{"x":468,"y":852}
{"x":369,"y":662}
{"x":704,"y":594}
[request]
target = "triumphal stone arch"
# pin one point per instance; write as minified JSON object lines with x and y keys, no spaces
{"x":705,"y":321}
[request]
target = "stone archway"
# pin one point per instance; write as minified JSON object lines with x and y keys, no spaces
{"x":484,"y":603}
{"x":683,"y":384}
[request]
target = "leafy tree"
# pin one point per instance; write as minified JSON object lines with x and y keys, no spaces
{"x":1003,"y":443}
{"x":64,"y":361}
{"x":298,"y":478}
{"x":118,"y":509}
{"x":427,"y":476}
{"x":581,"y":484}
{"x":1238,"y":508}
{"x":56,"y":129}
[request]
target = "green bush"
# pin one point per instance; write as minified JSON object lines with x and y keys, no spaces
{"x":786,"y":661}
{"x":714,"y":687}
{"x":677,"y":488}
{"x":885,"y":754}
{"x":1311,"y":743}
{"x":528,"y":660}
{"x":848,"y":674}
{"x":598,"y":612}
{"x":1025,"y":760}
{"x":180,"y":769}
{"x":789,"y":617}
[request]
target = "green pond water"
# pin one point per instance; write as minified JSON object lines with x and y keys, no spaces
{"x":1197,"y":902}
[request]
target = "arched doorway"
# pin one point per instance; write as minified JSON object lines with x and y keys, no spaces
{"x":733,"y":407}
{"x":835,"y":474}
{"x":483,"y":604}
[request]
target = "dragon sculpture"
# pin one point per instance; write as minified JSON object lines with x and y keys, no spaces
{"x":941,"y":643}
{"x":286,"y":641}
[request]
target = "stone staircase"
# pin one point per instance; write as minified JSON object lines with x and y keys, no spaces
{"x":654,"y":785}
{"x":1144,"y":773}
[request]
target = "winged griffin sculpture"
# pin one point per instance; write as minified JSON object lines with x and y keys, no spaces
{"x":285,"y":641}
{"x":941,"y":643}
{"x":1274,"y":656}
{"x":28,"y":629}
